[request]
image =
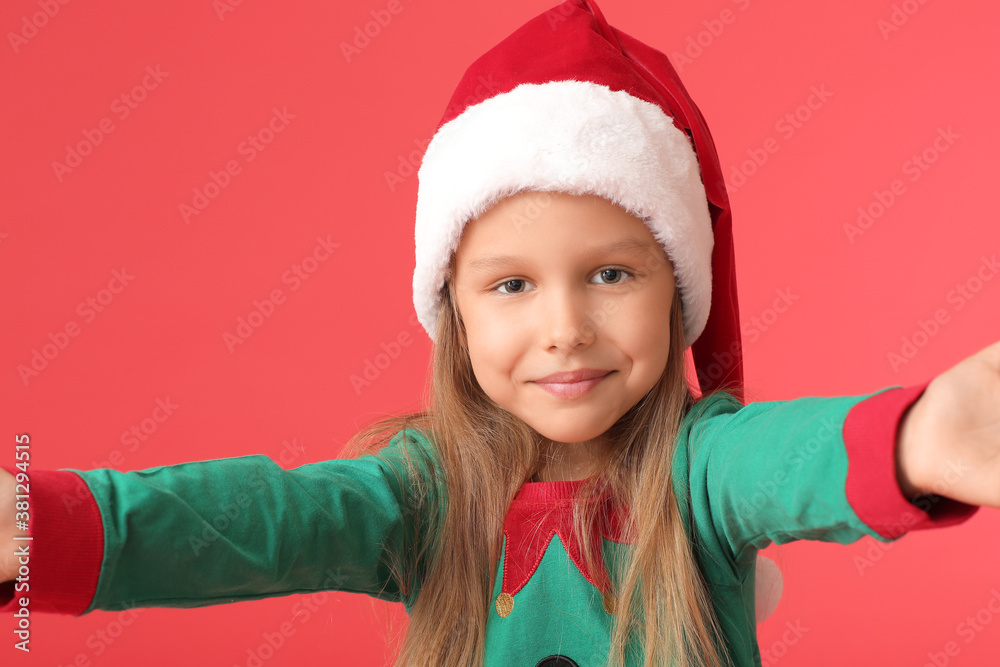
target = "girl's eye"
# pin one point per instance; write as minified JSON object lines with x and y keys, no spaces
{"x":617,"y":275}
{"x":613,"y":276}
{"x":516,"y":281}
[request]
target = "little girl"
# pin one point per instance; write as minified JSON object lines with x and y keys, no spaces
{"x":565,"y":500}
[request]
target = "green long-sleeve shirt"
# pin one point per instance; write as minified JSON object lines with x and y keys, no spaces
{"x":226,"y":530}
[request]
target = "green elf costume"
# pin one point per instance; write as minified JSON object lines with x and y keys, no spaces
{"x":565,"y":103}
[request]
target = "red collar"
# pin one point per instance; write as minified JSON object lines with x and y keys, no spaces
{"x":539,"y":511}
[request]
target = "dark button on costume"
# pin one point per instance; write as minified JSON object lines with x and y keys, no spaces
{"x":556,"y":661}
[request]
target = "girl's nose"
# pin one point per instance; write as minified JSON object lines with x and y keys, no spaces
{"x":566,"y":322}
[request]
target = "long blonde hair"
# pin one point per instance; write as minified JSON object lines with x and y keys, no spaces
{"x":485,"y":455}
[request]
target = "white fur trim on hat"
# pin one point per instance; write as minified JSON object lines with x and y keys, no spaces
{"x":577,"y":137}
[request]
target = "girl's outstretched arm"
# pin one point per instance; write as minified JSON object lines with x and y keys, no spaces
{"x":217,"y":531}
{"x":949,"y":440}
{"x":813,"y":468}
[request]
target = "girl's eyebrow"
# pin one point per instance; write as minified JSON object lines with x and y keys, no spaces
{"x":498,"y":262}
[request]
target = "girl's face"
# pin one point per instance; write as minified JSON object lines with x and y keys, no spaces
{"x":551,"y":283}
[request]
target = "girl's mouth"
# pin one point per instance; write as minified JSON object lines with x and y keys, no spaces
{"x":571,"y":389}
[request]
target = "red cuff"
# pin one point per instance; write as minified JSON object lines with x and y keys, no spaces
{"x":66,"y":549}
{"x":870,"y":434}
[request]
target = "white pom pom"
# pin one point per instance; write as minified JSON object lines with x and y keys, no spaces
{"x":768,"y":588}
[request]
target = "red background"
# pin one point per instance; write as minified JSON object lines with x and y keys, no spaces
{"x":324,"y":175}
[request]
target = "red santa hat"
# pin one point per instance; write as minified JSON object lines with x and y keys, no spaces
{"x":568,"y":103}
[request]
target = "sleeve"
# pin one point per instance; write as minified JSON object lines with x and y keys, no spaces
{"x":813,"y":468}
{"x":224,"y":530}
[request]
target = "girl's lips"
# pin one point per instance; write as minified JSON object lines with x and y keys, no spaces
{"x":574,"y":376}
{"x":571,"y":389}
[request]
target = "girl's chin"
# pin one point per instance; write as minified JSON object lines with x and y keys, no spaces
{"x":568,"y":436}
{"x":569,"y":440}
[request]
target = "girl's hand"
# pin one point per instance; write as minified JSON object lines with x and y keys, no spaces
{"x":8,"y":561}
{"x":949,"y":440}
